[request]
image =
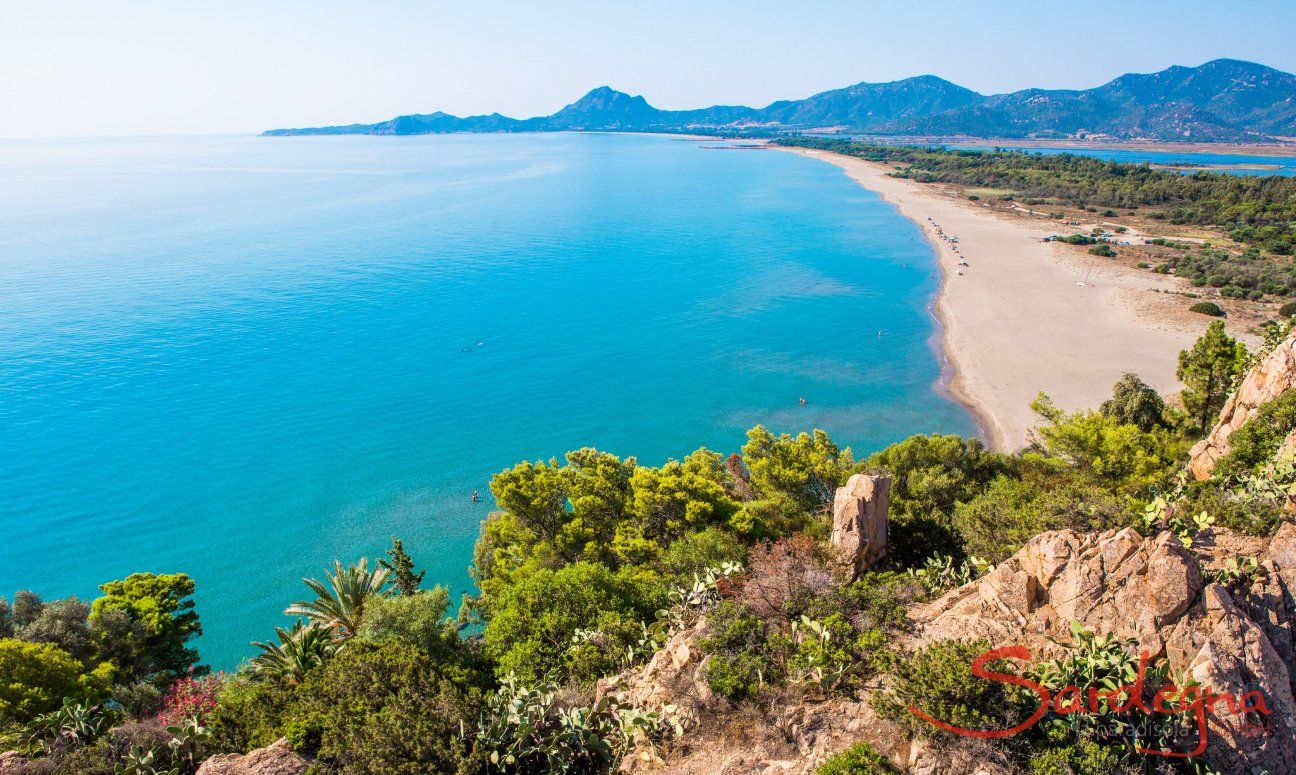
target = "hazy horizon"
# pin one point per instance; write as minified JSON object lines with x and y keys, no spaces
{"x":145,"y":68}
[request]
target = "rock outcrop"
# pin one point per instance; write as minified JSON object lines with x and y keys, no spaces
{"x":1231,"y":641}
{"x":859,"y":528}
{"x":12,"y":763}
{"x":1114,"y":582}
{"x":672,"y":677}
{"x":275,"y":759}
{"x":792,"y":737}
{"x":1274,"y":375}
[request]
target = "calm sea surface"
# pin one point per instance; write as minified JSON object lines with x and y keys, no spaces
{"x":242,"y":358}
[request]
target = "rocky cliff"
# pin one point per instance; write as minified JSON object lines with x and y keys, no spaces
{"x":1272,"y":376}
{"x":1229,"y":639}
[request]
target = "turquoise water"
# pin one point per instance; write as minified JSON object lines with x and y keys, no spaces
{"x":1286,"y":165}
{"x":242,"y":358}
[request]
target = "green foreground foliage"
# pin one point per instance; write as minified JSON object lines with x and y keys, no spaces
{"x":592,"y":561}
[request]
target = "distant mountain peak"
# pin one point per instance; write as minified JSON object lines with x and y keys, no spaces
{"x":1223,"y":99}
{"x":605,"y":98}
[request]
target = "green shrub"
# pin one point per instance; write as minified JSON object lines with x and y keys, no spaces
{"x":249,"y":714}
{"x":737,"y":676}
{"x":1287,"y":310}
{"x":1001,"y":520}
{"x":36,"y":677}
{"x":1102,"y":249}
{"x":536,"y":729}
{"x":859,"y":759}
{"x":533,"y":621}
{"x":420,"y":620}
{"x":938,"y":681}
{"x":1078,"y":239}
{"x":806,"y":469}
{"x":381,"y":710}
{"x":973,"y":197}
{"x":930,"y":476}
{"x":1257,"y":441}
{"x":1133,"y":402}
{"x":1084,"y":757}
{"x":695,"y":552}
{"x":736,"y":641}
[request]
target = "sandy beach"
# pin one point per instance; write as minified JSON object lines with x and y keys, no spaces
{"x":1018,"y":320}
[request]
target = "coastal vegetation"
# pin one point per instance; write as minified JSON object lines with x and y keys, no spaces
{"x":589,"y":565}
{"x":1254,"y":211}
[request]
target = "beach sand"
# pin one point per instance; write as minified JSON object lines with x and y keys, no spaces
{"x":1016,"y":321}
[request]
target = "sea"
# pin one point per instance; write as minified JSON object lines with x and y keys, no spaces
{"x":242,"y":358}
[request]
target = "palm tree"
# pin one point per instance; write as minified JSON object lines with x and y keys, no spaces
{"x":338,"y":607}
{"x":298,"y":650}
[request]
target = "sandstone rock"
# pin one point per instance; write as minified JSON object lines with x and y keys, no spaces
{"x":1238,"y":658}
{"x":1274,"y":375}
{"x":792,"y":737}
{"x":672,"y":677}
{"x":859,"y":532}
{"x":275,"y":759}
{"x":1152,"y":590}
{"x":1270,"y":601}
{"x":1113,"y":582}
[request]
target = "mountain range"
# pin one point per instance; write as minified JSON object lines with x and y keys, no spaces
{"x":1220,"y":101}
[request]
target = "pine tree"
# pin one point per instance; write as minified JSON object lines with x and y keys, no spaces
{"x":1208,"y":372}
{"x":401,"y":566}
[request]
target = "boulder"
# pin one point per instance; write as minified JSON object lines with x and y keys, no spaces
{"x":1274,"y":375}
{"x":673,"y":676}
{"x":1114,"y":582}
{"x":859,"y":527}
{"x":275,"y":759}
{"x":12,"y":763}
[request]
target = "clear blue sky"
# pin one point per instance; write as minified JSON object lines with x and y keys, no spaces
{"x":187,"y":66}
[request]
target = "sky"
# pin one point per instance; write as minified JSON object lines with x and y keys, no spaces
{"x":196,"y":67}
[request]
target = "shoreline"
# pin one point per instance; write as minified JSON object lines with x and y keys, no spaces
{"x":1025,"y":316}
{"x":949,"y":382}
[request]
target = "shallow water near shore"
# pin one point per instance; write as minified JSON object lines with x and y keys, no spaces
{"x":242,"y":358}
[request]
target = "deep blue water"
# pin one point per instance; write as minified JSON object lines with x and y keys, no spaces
{"x":1286,"y":164}
{"x":242,"y":358}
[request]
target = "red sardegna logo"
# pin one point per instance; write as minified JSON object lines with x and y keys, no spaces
{"x":1168,"y":700}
